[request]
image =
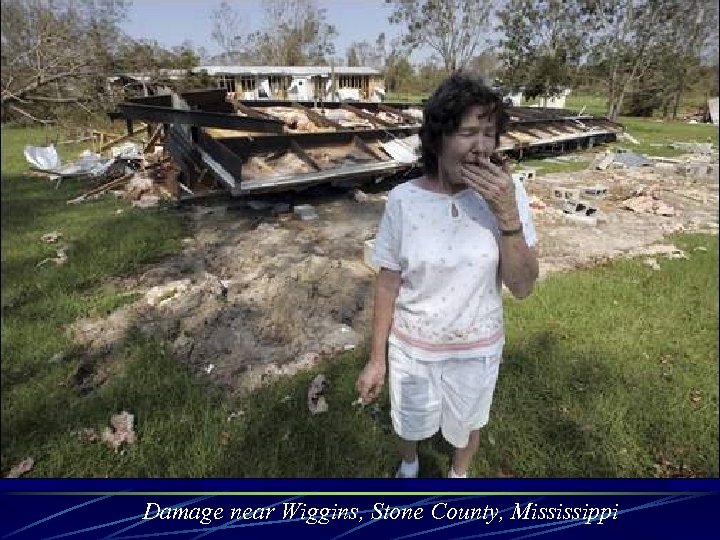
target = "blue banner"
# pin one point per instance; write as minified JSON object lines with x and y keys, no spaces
{"x":325,"y":508}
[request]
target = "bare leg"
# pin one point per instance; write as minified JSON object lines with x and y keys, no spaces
{"x":463,"y":456}
{"x":408,"y":450}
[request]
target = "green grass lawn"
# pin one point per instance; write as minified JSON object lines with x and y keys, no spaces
{"x":608,"y":372}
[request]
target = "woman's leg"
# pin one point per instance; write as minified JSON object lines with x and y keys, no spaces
{"x":463,"y":456}
{"x":410,"y":465}
{"x":408,"y":450}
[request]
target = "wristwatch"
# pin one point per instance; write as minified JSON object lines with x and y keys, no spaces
{"x":511,"y":232}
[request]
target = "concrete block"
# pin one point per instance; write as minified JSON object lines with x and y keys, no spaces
{"x":579,"y":208}
{"x":563,"y":193}
{"x":594,"y":192}
{"x":604,"y":162}
{"x":281,"y":208}
{"x":529,"y":173}
{"x":368,"y":247}
{"x":305,"y":212}
{"x":579,"y":218}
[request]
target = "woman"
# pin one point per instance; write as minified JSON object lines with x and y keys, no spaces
{"x":446,"y":243}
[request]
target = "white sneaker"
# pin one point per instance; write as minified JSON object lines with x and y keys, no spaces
{"x":453,"y":474}
{"x":408,"y":472}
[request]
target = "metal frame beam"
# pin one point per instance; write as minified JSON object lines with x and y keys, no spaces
{"x":168,"y":115}
{"x":246,"y":146}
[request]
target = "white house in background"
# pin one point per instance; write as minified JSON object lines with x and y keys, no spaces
{"x":301,"y":83}
{"x":516,"y":98}
{"x":713,"y":110}
{"x":553,"y":102}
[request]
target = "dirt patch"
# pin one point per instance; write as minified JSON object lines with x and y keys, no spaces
{"x":255,"y":294}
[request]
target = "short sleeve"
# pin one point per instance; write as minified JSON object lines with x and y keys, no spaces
{"x":387,"y":242}
{"x":525,"y":213}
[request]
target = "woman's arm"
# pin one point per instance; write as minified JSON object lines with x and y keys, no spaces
{"x":372,"y":377}
{"x":518,"y":262}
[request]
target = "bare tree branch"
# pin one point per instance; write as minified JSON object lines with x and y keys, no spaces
{"x":30,"y":116}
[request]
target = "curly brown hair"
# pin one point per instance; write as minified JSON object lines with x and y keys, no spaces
{"x":445,"y":108}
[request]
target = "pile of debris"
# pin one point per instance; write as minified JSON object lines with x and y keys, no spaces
{"x":140,"y":173}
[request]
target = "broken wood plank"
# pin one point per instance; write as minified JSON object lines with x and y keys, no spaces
{"x":203,"y":173}
{"x":365,"y":147}
{"x":153,"y":139}
{"x":124,"y":138}
{"x":172,"y":182}
{"x":297,"y":149}
{"x":100,"y":189}
{"x":366,"y":115}
{"x":315,"y":117}
{"x":252,"y":112}
{"x":407,"y":117}
{"x":75,"y":141}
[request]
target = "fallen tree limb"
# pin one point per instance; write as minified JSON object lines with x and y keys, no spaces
{"x":40,"y":81}
{"x":30,"y":116}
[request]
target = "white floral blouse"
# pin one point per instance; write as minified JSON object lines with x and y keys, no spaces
{"x":449,"y":304}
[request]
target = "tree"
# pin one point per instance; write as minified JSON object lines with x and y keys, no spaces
{"x":628,"y":33}
{"x":185,"y":55}
{"x":680,"y":55}
{"x":226,"y":29}
{"x":57,"y":54}
{"x":364,"y":53}
{"x":542,"y":44}
{"x":454,"y":29}
{"x":486,"y":64}
{"x":353,"y":58}
{"x":398,"y":73}
{"x":295,"y":32}
{"x":429,"y":76}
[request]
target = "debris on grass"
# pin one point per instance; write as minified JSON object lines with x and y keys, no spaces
{"x":59,"y":259}
{"x":57,"y":358}
{"x":316,"y":394}
{"x":236,"y":414}
{"x":652,"y":263}
{"x":668,"y":250}
{"x":121,"y":431}
{"x":224,"y":438}
{"x":25,"y":466}
{"x":694,"y":147}
{"x":627,"y":137}
{"x":161,"y":294}
{"x":359,"y":401}
{"x":51,"y":237}
{"x":87,"y":435}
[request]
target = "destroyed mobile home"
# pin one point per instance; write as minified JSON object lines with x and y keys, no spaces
{"x":253,"y":147}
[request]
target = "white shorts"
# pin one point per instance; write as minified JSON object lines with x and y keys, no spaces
{"x":451,"y":395}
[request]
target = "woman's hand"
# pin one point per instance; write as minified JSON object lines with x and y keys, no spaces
{"x":371,"y":380}
{"x":496,"y":186}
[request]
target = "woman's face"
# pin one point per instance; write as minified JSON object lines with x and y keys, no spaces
{"x":473,"y":142}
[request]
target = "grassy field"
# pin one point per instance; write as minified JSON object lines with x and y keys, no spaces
{"x":608,"y":372}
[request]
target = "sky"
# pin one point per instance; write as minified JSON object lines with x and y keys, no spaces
{"x":170,"y":22}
